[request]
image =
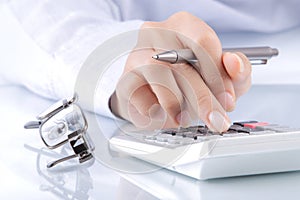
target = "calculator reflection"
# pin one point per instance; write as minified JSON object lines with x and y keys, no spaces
{"x":69,"y":181}
{"x":165,"y":184}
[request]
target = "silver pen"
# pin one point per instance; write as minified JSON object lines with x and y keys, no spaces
{"x":256,"y":55}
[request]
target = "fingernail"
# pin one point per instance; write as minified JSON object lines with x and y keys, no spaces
{"x":183,"y":118}
{"x":227,"y":101}
{"x":241,"y":64}
{"x":218,"y":122}
{"x":156,"y":112}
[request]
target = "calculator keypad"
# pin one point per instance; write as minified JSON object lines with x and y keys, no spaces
{"x":193,"y":134}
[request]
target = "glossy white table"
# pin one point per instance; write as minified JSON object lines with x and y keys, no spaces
{"x":24,"y":175}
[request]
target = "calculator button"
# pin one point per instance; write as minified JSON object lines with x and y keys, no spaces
{"x":244,"y":122}
{"x":186,"y":141}
{"x":273,"y":127}
{"x":196,"y":127}
{"x":208,"y":137}
{"x":187,"y":130}
{"x":190,"y":134}
{"x":171,"y":131}
{"x":175,"y":140}
{"x":239,"y":129}
{"x":179,"y":134}
{"x":254,"y":125}
{"x":163,"y":137}
{"x":150,"y":137}
{"x":185,"y":134}
{"x":160,"y":142}
{"x":195,"y":136}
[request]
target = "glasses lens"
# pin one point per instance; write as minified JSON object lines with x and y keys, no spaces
{"x":57,"y":128}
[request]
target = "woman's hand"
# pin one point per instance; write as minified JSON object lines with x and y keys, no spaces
{"x":153,"y":94}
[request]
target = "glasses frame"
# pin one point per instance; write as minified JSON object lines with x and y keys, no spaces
{"x":84,"y":150}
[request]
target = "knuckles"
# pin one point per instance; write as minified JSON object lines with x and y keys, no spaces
{"x":181,"y":16}
{"x":171,"y":105}
{"x":150,"y":24}
{"x":203,"y":98}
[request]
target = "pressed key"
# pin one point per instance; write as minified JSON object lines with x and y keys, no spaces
{"x":203,"y":130}
{"x":195,"y":128}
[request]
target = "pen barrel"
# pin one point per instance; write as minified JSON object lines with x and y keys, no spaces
{"x":255,"y":53}
{"x":184,"y":55}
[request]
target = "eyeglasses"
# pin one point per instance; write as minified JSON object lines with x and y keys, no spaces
{"x":64,"y":122}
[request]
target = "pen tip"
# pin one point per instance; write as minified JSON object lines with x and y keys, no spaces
{"x":155,"y":57}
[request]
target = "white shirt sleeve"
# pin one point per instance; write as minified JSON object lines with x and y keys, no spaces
{"x":46,"y":43}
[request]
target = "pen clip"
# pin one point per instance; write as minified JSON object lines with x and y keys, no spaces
{"x":258,"y":61}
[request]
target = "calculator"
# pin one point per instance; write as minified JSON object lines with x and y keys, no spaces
{"x":247,"y":148}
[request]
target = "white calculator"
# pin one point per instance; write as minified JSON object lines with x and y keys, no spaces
{"x":247,"y":148}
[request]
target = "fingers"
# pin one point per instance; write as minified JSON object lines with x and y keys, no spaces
{"x":146,"y":112}
{"x":162,"y":100}
{"x":216,"y":79}
{"x":162,"y":87}
{"x":134,"y":101}
{"x":148,"y":96}
{"x":200,"y":98}
{"x":143,"y":99}
{"x":127,"y":85}
{"x":199,"y":37}
{"x":151,"y":90}
{"x":239,"y":69}
{"x":165,"y":87}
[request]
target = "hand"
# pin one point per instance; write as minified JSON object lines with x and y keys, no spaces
{"x":153,"y":94}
